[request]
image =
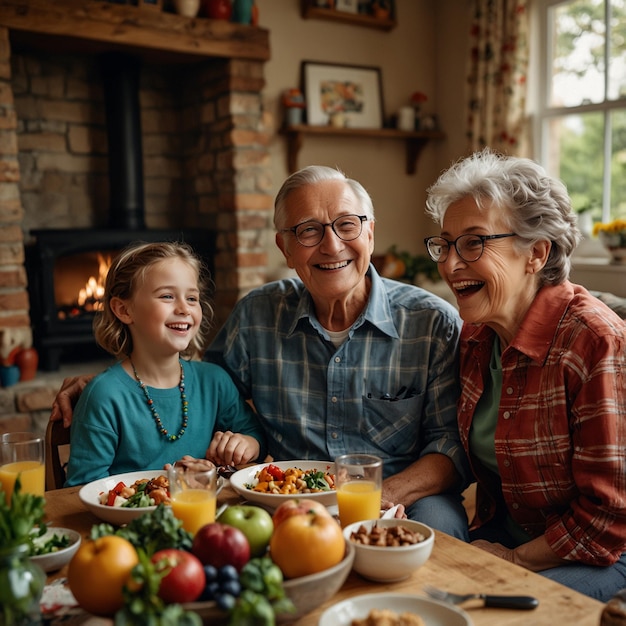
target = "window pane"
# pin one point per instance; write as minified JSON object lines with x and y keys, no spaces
{"x":575,"y":155}
{"x":576,"y":66}
{"x":617,"y":51}
{"x":618,"y":165}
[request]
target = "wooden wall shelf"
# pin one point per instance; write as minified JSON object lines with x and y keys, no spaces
{"x":91,"y":27}
{"x":415,"y":141}
{"x":310,"y":11}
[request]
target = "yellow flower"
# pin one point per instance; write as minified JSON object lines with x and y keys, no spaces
{"x":615,"y":226}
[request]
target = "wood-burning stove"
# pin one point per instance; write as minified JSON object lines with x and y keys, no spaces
{"x":55,"y":263}
{"x":58,"y":325}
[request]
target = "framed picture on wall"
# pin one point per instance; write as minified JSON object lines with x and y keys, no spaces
{"x":355,"y":91}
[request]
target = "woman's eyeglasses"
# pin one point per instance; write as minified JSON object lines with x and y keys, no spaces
{"x":346,"y":227}
{"x":469,"y":247}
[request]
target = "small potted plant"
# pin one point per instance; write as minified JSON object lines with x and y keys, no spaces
{"x":613,"y":237}
{"x":293,"y":102}
{"x":417,"y":99}
{"x":381,"y":9}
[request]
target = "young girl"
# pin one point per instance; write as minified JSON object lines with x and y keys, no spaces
{"x":153,"y":407}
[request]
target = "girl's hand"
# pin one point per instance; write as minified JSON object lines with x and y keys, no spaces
{"x":228,"y":448}
{"x":190,"y":462}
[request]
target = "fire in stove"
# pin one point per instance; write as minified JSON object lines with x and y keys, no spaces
{"x":90,"y":295}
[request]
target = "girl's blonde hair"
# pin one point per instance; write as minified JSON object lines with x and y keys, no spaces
{"x":125,"y":276}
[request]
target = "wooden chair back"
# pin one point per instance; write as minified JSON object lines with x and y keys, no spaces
{"x":57,"y":437}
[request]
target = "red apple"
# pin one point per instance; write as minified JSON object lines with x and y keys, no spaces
{"x":297,"y":506}
{"x":185,"y":579}
{"x":220,"y":544}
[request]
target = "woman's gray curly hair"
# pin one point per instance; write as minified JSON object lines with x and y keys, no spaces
{"x":536,"y":206}
{"x":311,"y":175}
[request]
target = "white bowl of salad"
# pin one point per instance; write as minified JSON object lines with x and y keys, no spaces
{"x":104,"y":497}
{"x":107,"y":497}
{"x":54,"y":548}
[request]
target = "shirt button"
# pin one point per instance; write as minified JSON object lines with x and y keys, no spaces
{"x":337,"y":359}
{"x":334,"y":435}
{"x":515,"y":505}
{"x":507,"y":463}
{"x":509,"y":390}
{"x":333,"y":399}
{"x":506,"y":415}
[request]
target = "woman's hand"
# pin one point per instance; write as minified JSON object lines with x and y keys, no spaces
{"x":228,"y":448}
{"x":494,"y":548}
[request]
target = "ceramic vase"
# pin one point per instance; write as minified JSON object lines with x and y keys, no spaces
{"x":242,"y":11}
{"x":9,"y":375}
{"x":27,"y":361}
{"x":217,"y":9}
{"x":187,"y":8}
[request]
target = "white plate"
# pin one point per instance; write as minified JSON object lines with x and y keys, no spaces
{"x":433,"y":613}
{"x":56,"y":560}
{"x":117,"y":515}
{"x":247,"y":476}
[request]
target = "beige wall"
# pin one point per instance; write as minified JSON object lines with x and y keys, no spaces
{"x":425,"y":52}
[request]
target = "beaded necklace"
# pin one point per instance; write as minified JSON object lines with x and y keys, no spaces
{"x":155,"y":415}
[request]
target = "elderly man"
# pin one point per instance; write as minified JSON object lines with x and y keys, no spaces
{"x":342,"y":360}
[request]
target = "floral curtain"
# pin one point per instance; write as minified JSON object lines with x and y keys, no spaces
{"x":496,"y":76}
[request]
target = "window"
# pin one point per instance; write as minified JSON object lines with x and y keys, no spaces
{"x":582,"y":114}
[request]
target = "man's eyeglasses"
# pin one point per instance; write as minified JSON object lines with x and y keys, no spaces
{"x":346,"y":227}
{"x":469,"y":247}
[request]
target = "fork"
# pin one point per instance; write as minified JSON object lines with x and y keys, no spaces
{"x":501,"y":602}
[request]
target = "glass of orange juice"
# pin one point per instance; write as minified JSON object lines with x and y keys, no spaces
{"x":194,"y":494}
{"x":23,"y":454}
{"x":359,"y":481}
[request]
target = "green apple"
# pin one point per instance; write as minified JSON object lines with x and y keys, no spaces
{"x":253,"y":521}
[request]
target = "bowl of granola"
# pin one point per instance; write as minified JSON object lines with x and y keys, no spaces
{"x":389,"y":550}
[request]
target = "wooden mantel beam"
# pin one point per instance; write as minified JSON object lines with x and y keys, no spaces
{"x":95,"y":25}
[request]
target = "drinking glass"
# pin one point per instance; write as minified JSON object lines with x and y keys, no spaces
{"x":358,"y":480}
{"x":22,"y":453}
{"x":194,"y":494}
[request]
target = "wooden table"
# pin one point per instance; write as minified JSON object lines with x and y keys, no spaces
{"x":453,"y":565}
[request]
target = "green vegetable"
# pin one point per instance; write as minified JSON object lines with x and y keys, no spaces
{"x":139,"y":499}
{"x":18,"y":520}
{"x":152,"y":531}
{"x":263,"y":596}
{"x":316,"y":480}
{"x":53,"y":544}
{"x":142,"y":605}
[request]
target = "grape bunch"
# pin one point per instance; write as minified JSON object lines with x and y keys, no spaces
{"x":222,"y":586}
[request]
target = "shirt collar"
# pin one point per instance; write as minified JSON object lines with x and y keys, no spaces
{"x":377,"y":311}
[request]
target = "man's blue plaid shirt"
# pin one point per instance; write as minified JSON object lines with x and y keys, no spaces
{"x":390,"y":389}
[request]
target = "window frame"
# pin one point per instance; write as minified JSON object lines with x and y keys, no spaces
{"x":544,"y":113}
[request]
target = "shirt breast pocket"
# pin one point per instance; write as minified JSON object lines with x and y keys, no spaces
{"x":393,"y":426}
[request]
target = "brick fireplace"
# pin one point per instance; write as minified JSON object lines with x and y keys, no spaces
{"x":204,"y":134}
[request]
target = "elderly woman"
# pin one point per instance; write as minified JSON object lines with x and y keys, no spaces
{"x":543,"y":401}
